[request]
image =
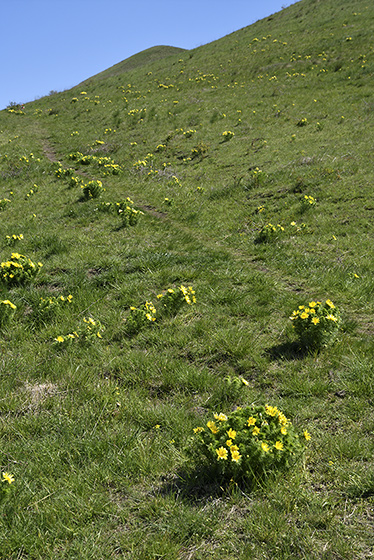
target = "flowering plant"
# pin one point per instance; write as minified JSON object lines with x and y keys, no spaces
{"x":227,"y":135}
{"x":257,"y":177}
{"x":6,"y":481}
{"x":173,"y":299}
{"x":302,"y":122}
{"x":50,"y":305}
{"x":316,"y":324}
{"x":268,"y":232}
{"x":7,"y":310}
{"x":249,"y":443}
{"x":3,"y":203}
{"x":89,"y":331}
{"x":139,"y":317}
{"x":93,"y":189}
{"x":308,"y":201}
{"x":18,"y":269}
{"x":12,"y":239}
{"x":62,"y":173}
{"x":130,"y":216}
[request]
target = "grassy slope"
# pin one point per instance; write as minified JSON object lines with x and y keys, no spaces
{"x":95,"y":477}
{"x":140,"y":59}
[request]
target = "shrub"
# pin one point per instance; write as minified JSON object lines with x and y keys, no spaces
{"x":249,"y":443}
{"x":317,"y":324}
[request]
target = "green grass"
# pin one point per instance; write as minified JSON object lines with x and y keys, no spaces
{"x":96,"y":434}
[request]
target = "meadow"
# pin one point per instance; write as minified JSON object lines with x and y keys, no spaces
{"x":161,"y":225}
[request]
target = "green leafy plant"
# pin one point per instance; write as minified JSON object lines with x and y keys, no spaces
{"x":7,"y":310}
{"x":173,"y":299}
{"x":140,"y":317}
{"x":302,"y":122}
{"x":269,"y":232}
{"x":317,"y":324}
{"x":249,"y":443}
{"x":93,"y":189}
{"x":89,"y":331}
{"x":51,"y":305}
{"x":3,"y":203}
{"x":129,"y":215}
{"x":256,"y":178}
{"x":6,"y":488}
{"x":19,"y":269}
{"x":307,"y":201}
{"x":13,"y":239}
{"x":227,"y":135}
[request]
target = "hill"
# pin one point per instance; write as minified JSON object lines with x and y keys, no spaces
{"x":140,"y":59}
{"x":241,"y":171}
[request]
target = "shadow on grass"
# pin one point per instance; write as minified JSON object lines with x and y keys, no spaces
{"x":289,"y":351}
{"x":203,"y":484}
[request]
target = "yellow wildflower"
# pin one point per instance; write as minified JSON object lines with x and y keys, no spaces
{"x":212,"y":427}
{"x":8,"y":477}
{"x":222,"y":453}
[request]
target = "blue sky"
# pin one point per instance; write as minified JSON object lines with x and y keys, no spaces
{"x":56,"y":44}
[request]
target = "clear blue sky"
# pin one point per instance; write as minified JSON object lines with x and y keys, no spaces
{"x":56,"y":44}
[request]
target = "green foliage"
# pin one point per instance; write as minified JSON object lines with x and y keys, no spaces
{"x":52,"y":306}
{"x":6,"y":487}
{"x":269,"y":232}
{"x":93,"y":189}
{"x":88,"y":331}
{"x":317,"y":324}
{"x":7,"y":310}
{"x":11,"y":240}
{"x":140,"y":317}
{"x":104,"y":423}
{"x":249,"y":443}
{"x":19,"y":269}
{"x":128,"y":214}
{"x":3,"y":203}
{"x":173,"y":299}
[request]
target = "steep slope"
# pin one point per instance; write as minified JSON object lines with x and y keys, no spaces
{"x":140,"y":59}
{"x":247,"y":165}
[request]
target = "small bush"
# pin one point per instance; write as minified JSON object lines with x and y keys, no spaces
{"x":317,"y":324}
{"x":93,"y":189}
{"x":19,"y":269}
{"x":129,"y":215}
{"x":249,"y":443}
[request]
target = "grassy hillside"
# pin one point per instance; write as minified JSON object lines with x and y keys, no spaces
{"x":248,"y":165}
{"x":140,"y":59}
